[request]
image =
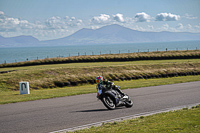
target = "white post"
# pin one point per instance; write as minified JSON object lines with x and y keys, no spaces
{"x":24,"y":87}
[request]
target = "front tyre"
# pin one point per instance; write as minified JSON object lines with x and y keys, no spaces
{"x":108,"y":102}
{"x":129,"y":103}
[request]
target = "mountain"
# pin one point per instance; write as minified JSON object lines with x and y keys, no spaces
{"x":19,"y":41}
{"x":118,"y":34}
{"x":111,"y":34}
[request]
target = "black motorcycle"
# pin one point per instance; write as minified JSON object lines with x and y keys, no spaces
{"x":112,"y":99}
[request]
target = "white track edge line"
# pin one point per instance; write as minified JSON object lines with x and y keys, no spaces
{"x":124,"y":118}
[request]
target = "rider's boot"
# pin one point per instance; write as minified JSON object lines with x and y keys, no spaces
{"x":121,"y":93}
{"x":120,"y":103}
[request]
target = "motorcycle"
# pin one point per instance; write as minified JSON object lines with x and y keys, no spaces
{"x":112,"y":99}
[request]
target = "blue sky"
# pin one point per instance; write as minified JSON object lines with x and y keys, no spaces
{"x":51,"y":19}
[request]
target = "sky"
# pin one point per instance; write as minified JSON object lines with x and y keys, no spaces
{"x":52,"y":19}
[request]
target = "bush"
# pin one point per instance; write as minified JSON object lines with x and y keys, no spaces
{"x":59,"y":83}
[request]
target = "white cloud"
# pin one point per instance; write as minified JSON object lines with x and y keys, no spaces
{"x":151,"y":27}
{"x":197,"y":26}
{"x":72,"y":22}
{"x":94,"y":27}
{"x":139,"y":28}
{"x":58,"y":23}
{"x":179,"y":26}
{"x":8,"y":24}
{"x":102,"y":19}
{"x":1,"y":15}
{"x":189,"y":26}
{"x":165,"y":26}
{"x":167,"y":17}
{"x":73,"y":18}
{"x":54,"y":27}
{"x":142,"y":17}
{"x":55,"y":23}
{"x":118,"y":17}
{"x":189,"y":16}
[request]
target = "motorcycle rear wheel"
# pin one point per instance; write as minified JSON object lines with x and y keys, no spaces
{"x":108,"y":102}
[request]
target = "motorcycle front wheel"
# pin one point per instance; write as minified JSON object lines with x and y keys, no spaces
{"x":108,"y":102}
{"x":129,"y":103}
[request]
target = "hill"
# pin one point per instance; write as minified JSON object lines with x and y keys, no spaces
{"x":111,"y":34}
{"x":19,"y":41}
{"x":118,"y":34}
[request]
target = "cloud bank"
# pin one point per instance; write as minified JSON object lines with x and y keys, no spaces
{"x":57,"y":27}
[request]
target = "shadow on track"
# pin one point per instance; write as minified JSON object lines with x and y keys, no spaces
{"x":98,"y":110}
{"x":93,"y":110}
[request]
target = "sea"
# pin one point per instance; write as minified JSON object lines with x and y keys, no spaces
{"x":20,"y":54}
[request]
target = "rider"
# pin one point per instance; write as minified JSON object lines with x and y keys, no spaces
{"x":107,"y":84}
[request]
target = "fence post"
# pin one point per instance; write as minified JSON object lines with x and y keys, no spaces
{"x":138,"y":50}
{"x":119,"y":51}
{"x":78,"y":53}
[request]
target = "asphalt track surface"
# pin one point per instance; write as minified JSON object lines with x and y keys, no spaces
{"x":49,"y":115}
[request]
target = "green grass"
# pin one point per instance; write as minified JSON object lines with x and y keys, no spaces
{"x":180,"y":121}
{"x":9,"y":96}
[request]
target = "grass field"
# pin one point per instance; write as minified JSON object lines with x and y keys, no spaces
{"x":57,"y":80}
{"x":180,"y":121}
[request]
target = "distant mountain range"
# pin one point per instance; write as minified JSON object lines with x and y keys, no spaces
{"x":19,"y":41}
{"x":110,"y":34}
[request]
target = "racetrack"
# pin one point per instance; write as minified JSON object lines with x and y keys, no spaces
{"x":67,"y":112}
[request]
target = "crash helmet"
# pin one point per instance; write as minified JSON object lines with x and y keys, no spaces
{"x":99,"y":79}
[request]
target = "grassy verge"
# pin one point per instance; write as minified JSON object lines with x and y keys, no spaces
{"x":60,"y":75}
{"x":184,"y":121}
{"x":9,"y":96}
{"x":163,"y":55}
